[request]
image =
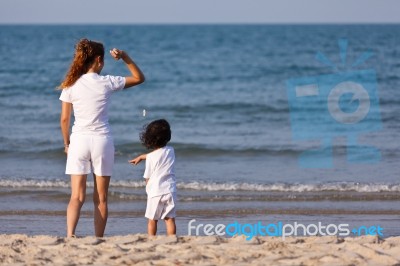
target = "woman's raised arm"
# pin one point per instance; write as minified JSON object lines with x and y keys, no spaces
{"x":137,"y":75}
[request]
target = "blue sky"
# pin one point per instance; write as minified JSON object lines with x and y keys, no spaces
{"x":199,"y":11}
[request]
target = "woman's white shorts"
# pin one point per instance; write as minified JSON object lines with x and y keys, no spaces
{"x":162,"y":206}
{"x":89,"y":153}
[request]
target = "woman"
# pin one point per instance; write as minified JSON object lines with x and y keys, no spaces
{"x":90,"y":148}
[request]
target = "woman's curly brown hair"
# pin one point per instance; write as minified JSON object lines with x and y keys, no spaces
{"x":86,"y":52}
{"x":156,"y":134}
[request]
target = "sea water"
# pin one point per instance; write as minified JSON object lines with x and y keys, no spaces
{"x":223,"y":90}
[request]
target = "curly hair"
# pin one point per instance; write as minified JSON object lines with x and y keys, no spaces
{"x":86,"y":52}
{"x":156,"y":134}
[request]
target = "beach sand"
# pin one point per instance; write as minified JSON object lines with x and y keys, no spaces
{"x":199,"y":250}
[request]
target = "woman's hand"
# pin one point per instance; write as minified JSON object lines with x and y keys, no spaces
{"x":66,"y":149}
{"x":137,"y":76}
{"x":138,"y":159}
{"x":116,"y":53}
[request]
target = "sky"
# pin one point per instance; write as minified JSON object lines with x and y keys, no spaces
{"x":198,"y":11}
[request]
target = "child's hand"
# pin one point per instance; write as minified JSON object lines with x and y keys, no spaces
{"x":138,"y":159}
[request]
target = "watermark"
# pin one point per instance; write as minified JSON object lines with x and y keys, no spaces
{"x":280,"y":229}
{"x":342,"y":104}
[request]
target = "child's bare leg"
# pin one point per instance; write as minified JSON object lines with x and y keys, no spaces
{"x":170,"y":225}
{"x":152,"y":227}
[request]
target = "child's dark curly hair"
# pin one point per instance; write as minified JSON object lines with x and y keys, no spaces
{"x":156,"y":134}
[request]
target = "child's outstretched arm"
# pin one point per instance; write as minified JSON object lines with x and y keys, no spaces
{"x":138,"y":159}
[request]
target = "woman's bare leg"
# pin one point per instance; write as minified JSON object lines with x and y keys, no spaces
{"x":100,"y":192}
{"x":152,"y":227}
{"x":78,"y":193}
{"x":170,"y":225}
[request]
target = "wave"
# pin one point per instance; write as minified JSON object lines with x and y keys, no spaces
{"x":180,"y":149}
{"x":214,"y":186}
{"x":294,"y":187}
{"x":239,"y":107}
{"x":186,"y":150}
{"x":268,"y":197}
{"x":183,"y":149}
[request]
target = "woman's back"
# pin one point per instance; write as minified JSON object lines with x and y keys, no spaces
{"x":90,"y":97}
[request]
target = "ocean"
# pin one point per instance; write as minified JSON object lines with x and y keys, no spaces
{"x":223,"y":88}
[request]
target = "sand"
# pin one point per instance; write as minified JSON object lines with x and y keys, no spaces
{"x":199,"y":250}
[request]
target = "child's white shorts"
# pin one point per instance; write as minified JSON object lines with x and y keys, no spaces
{"x":89,"y":153}
{"x":162,"y":206}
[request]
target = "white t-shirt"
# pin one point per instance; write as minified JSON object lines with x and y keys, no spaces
{"x":160,"y":171}
{"x":90,"y":97}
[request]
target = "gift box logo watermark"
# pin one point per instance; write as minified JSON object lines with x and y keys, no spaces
{"x":342,"y":104}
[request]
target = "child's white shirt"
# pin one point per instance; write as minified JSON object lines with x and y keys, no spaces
{"x":160,"y":172}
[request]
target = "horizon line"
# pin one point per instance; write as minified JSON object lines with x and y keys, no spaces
{"x":187,"y":23}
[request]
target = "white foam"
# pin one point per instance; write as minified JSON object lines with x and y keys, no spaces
{"x":213,"y":186}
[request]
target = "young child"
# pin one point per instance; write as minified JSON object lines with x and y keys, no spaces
{"x":159,"y":175}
